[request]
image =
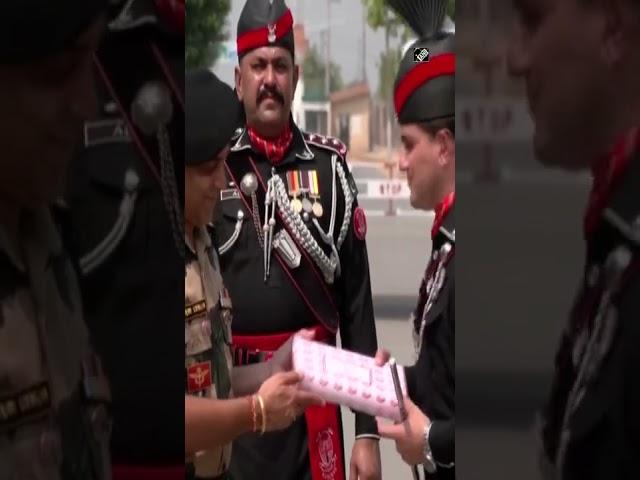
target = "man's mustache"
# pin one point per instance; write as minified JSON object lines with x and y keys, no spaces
{"x":269,"y":91}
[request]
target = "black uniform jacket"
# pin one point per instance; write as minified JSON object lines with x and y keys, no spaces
{"x":276,"y":306}
{"x":431,"y":381}
{"x":592,"y":419}
{"x":132,"y":272}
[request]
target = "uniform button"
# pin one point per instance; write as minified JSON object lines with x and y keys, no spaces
{"x":51,"y":448}
{"x":131,"y":180}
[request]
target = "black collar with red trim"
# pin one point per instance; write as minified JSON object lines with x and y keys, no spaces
{"x":622,"y":214}
{"x":447,"y":231}
{"x":299,"y":150}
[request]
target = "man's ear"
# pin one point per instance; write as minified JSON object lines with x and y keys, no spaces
{"x":616,"y":35}
{"x":238,"y":80}
{"x":446,"y":145}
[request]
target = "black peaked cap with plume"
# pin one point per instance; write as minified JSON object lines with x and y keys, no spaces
{"x":424,"y":89}
{"x":265,"y":23}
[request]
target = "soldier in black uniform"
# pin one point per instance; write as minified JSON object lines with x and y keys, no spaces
{"x":588,"y":116}
{"x":293,"y":254}
{"x":424,"y":98}
{"x":125,"y":206}
{"x":54,"y":419}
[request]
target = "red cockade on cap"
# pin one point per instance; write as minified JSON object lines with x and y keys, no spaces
{"x":264,"y":36}
{"x":437,"y":66}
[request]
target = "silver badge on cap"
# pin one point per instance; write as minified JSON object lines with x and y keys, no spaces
{"x":272,"y":33}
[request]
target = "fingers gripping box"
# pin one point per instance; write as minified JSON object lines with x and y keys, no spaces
{"x":347,"y":378}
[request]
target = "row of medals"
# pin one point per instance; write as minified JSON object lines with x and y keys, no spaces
{"x":305,"y":206}
{"x":309,"y":203}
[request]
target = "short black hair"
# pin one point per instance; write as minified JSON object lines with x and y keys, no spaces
{"x":434,"y":126}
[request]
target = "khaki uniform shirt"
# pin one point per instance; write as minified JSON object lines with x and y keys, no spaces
{"x":207,"y":339}
{"x":47,"y":369}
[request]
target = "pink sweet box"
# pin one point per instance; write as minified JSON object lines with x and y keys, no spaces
{"x":346,"y":378}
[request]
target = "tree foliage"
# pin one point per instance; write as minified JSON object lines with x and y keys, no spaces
{"x":313,"y":71}
{"x":389,"y":64}
{"x":380,"y":15}
{"x":205,"y":31}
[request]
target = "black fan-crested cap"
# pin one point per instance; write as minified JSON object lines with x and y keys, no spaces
{"x":425,"y":17}
{"x":424,"y":89}
{"x":264,"y":23}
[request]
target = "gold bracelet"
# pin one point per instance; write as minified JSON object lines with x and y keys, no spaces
{"x":264,"y":415}
{"x":254,"y":413}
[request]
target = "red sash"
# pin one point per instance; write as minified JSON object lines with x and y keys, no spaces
{"x":134,"y":472}
{"x":323,"y":430}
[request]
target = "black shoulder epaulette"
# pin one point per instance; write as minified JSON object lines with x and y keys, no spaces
{"x":330,"y":143}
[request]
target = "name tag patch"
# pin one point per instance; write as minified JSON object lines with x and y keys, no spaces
{"x":195,"y":309}
{"x":108,"y":131}
{"x":30,"y":402}
{"x":229,"y":194}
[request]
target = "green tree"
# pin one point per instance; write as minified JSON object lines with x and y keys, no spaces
{"x":313,"y":70}
{"x":205,"y":31}
{"x":380,"y":15}
{"x":388,"y":68}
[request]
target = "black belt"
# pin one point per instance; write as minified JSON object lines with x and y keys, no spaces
{"x":245,"y":356}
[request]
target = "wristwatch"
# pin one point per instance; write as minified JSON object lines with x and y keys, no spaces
{"x":429,"y":462}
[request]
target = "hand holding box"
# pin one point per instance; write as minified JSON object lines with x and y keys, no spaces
{"x":347,"y":378}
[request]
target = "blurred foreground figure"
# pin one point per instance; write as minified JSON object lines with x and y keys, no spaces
{"x":581,"y":64}
{"x":54,"y":418}
{"x":125,"y":216}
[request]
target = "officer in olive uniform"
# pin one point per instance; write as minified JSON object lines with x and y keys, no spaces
{"x":424,"y":99}
{"x":221,"y":403}
{"x":207,"y":333}
{"x":293,"y":254}
{"x":125,"y":209}
{"x":54,"y":399}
